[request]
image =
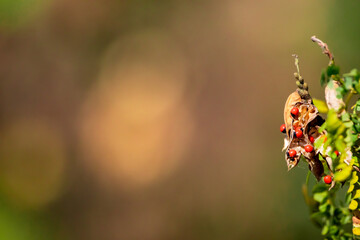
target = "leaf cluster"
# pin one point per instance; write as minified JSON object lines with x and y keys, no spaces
{"x":342,"y":129}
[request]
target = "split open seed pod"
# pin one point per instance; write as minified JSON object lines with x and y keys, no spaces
{"x":309,"y":120}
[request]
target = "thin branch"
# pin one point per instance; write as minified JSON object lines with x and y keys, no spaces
{"x":325,"y":49}
{"x":297,"y":64}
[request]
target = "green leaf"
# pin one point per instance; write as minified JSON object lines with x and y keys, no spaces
{"x":325,"y":230}
{"x":353,"y":73}
{"x":348,"y":124}
{"x":330,"y":85}
{"x":319,"y":188}
{"x":345,"y":172}
{"x":348,"y":82}
{"x":323,"y":207}
{"x":348,"y":235}
{"x":356,"y":161}
{"x":357,"y":194}
{"x":333,"y":122}
{"x":320,"y":141}
{"x":321,"y":106}
{"x":332,"y":70}
{"x":354,"y":178}
{"x":340,"y":92}
{"x":345,"y":117}
{"x":323,"y":79}
{"x":316,"y":215}
{"x":357,"y":127}
{"x":339,"y":144}
{"x":353,"y":205}
{"x":357,"y":87}
{"x":340,"y":130}
{"x":349,"y":139}
{"x":345,"y":219}
{"x":321,"y":196}
{"x":333,"y":230}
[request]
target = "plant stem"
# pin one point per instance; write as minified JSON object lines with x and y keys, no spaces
{"x":348,"y":98}
{"x":307,"y":178}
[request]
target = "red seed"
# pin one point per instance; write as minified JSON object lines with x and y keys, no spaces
{"x":312,"y":139}
{"x":327,"y":179}
{"x":337,"y":153}
{"x":292,"y":153}
{"x":298,"y":132}
{"x":283,"y":128}
{"x":294,"y":111}
{"x":309,"y":148}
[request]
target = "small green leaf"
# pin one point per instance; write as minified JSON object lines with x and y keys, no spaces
{"x":340,"y":129}
{"x":351,"y":188}
{"x":348,"y":83}
{"x":332,"y":70}
{"x":321,"y":196}
{"x":346,"y":219}
{"x":316,"y":215}
{"x":357,"y":87}
{"x":353,"y":73}
{"x":333,"y":230}
{"x":353,"y":205}
{"x":348,"y":124}
{"x":357,"y":194}
{"x":342,"y":175}
{"x":321,"y":106}
{"x":340,"y":92}
{"x":332,"y":210}
{"x":333,"y":122}
{"x":345,"y":117}
{"x":323,"y":79}
{"x":339,"y":144}
{"x":354,"y":178}
{"x":320,"y":141}
{"x":319,"y":188}
{"x":323,"y":207}
{"x":325,"y":230}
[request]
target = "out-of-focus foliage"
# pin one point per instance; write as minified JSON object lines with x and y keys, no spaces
{"x":342,"y":128}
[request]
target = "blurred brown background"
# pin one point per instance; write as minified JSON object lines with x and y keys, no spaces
{"x":152,"y":120}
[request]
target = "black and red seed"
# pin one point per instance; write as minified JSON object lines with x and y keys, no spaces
{"x":294,"y":112}
{"x":283,"y":128}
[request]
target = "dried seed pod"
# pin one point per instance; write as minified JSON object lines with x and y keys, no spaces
{"x":302,"y":120}
{"x":308,"y":119}
{"x":290,"y":103}
{"x":330,"y":96}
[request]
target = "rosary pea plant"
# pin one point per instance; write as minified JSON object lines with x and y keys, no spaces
{"x":330,"y":146}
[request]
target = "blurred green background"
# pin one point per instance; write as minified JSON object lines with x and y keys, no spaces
{"x":152,"y":120}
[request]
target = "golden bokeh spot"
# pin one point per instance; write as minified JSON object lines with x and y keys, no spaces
{"x":135,"y":125}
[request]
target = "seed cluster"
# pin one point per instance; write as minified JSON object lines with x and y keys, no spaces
{"x":302,"y":121}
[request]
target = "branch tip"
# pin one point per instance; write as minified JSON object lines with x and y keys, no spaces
{"x":324,"y":48}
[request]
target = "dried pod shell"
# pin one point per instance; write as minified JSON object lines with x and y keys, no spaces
{"x":309,"y":120}
{"x":290,"y":103}
{"x":330,"y":96}
{"x":316,"y":166}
